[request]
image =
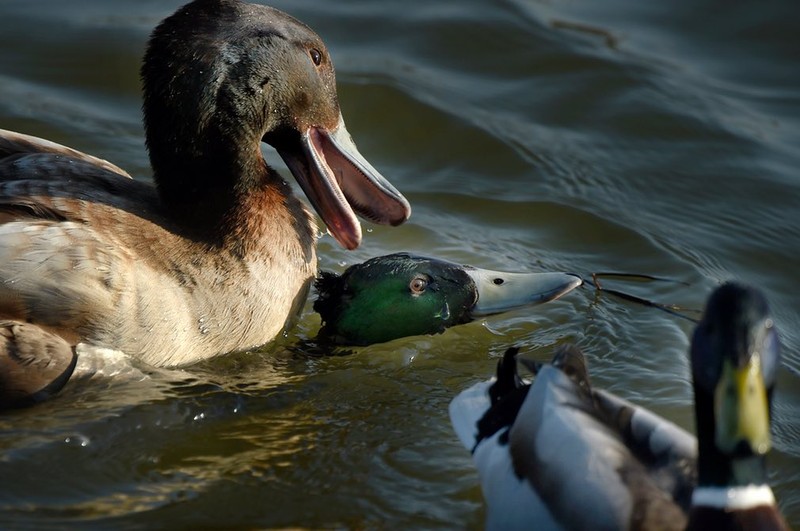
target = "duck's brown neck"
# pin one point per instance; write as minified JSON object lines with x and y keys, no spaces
{"x":206,"y":190}
{"x":268,"y":217}
{"x":236,"y":202}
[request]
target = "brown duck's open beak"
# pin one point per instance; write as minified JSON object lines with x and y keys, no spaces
{"x":499,"y":291}
{"x":340,"y":183}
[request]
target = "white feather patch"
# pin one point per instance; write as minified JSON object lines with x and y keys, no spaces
{"x":467,"y":408}
{"x":733,"y":498}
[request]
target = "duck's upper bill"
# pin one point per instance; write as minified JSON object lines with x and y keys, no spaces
{"x":340,"y":183}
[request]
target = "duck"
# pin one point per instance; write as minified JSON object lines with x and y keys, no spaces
{"x":404,"y":294}
{"x":559,"y":453}
{"x":216,"y":254}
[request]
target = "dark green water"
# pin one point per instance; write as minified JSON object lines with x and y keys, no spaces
{"x":657,"y":138}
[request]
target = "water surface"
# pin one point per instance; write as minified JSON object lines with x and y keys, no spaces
{"x":656,"y":138}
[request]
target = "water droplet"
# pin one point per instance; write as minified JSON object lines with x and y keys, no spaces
{"x":80,"y":440}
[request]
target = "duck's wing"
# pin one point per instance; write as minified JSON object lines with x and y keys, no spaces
{"x":579,"y":466}
{"x":34,"y":154}
{"x":668,"y":451}
{"x":42,"y":180}
{"x":72,"y":253}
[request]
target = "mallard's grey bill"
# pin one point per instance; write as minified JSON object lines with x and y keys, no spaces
{"x":500,"y":292}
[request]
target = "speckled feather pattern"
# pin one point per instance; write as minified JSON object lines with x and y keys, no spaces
{"x":86,"y":251}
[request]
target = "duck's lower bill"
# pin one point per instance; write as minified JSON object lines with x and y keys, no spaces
{"x":340,"y":183}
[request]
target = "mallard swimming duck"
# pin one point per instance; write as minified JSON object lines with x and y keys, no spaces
{"x":560,"y":454}
{"x":403,"y":294}
{"x":217,"y":254}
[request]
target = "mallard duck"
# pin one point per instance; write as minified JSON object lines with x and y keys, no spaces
{"x":560,"y":454}
{"x":218,"y":253}
{"x":403,"y":294}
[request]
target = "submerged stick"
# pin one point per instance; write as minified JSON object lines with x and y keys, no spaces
{"x":671,"y":309}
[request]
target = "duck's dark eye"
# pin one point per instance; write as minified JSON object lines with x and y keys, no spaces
{"x":498,"y":281}
{"x":418,"y":285}
{"x":316,"y":56}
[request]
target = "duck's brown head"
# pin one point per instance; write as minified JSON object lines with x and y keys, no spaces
{"x":220,"y":76}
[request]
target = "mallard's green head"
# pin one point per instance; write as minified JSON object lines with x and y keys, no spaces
{"x":734,"y":358}
{"x":402,"y":294}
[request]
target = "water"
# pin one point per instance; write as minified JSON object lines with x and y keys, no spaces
{"x":656,"y":138}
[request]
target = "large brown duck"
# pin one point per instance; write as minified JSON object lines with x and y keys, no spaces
{"x":217,"y":254}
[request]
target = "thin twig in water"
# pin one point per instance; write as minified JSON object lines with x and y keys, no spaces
{"x":671,"y":309}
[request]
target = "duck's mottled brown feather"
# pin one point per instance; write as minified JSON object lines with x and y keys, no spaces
{"x":15,"y":146}
{"x":34,"y":364}
{"x":102,"y":261}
